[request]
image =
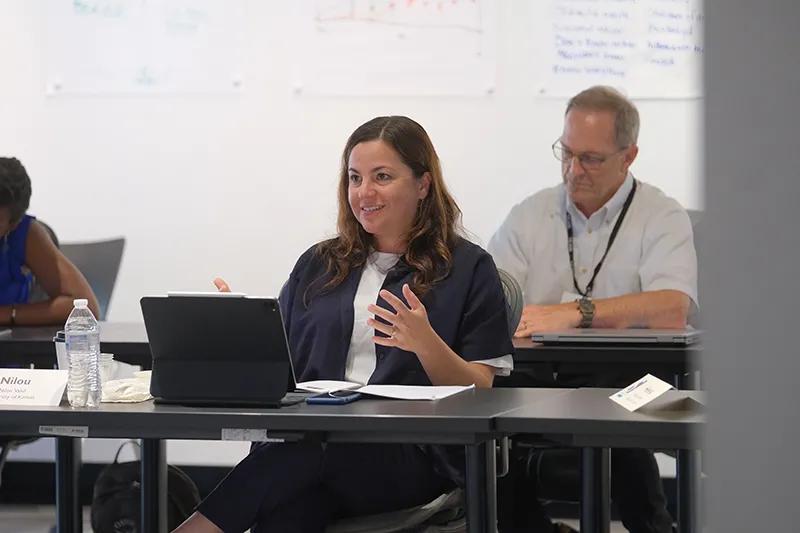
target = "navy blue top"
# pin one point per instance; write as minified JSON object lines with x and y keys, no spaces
{"x":15,"y":281}
{"x":466,"y":309}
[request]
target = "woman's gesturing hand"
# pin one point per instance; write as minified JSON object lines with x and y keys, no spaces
{"x":407,"y":327}
{"x":222,"y":285}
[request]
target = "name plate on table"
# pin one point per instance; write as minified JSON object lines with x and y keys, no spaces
{"x":20,"y":386}
{"x":640,"y":393}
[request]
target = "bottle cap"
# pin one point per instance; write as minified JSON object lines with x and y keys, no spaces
{"x":80,"y":302}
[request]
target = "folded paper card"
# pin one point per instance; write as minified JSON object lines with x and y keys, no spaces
{"x":641,"y":392}
{"x":32,"y":387}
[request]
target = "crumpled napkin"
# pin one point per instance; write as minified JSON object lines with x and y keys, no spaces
{"x":128,"y":390}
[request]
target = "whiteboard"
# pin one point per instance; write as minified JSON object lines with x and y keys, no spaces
{"x":147,"y":46}
{"x":649,"y":48}
{"x":393,"y":47}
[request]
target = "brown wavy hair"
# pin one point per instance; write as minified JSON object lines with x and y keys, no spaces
{"x":436,"y":225}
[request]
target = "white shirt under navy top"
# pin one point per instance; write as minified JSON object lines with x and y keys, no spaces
{"x":361,"y":358}
{"x":653,"y":250}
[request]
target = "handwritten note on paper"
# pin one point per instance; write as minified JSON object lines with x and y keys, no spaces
{"x":650,"y":48}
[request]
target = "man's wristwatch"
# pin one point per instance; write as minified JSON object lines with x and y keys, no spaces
{"x":586,"y":307}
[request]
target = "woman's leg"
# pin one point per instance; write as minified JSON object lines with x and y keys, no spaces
{"x":376,"y":478}
{"x":296,"y":487}
{"x":308,"y":512}
{"x":271,"y":476}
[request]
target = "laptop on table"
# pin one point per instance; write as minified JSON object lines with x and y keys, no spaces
{"x":584,"y":336}
{"x":216,"y":351}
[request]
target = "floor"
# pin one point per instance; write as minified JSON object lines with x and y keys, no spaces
{"x":40,"y":519}
{"x":33,"y":519}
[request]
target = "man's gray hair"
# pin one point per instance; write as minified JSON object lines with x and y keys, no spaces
{"x":604,"y":98}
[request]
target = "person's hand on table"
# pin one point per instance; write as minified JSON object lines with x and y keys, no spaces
{"x":548,"y":318}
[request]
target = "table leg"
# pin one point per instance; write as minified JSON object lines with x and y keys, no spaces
{"x":595,"y":490}
{"x":68,"y":502}
{"x":481,"y":497}
{"x":154,"y":486}
{"x":688,"y":491}
{"x":688,"y":471}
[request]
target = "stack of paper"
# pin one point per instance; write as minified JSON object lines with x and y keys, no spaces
{"x":401,"y":392}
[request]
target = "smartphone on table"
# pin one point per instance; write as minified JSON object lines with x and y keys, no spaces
{"x":338,"y":397}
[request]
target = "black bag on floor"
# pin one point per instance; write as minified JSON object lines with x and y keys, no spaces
{"x":116,"y":501}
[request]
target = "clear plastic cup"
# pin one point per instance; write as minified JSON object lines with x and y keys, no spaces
{"x":107,"y":367}
{"x":62,"y":363}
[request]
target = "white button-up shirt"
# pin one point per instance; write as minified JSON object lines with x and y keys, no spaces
{"x":653,"y":250}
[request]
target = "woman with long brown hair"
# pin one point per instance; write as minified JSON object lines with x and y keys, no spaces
{"x":397,"y":297}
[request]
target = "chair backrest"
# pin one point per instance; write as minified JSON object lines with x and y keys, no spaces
{"x":695,"y":216}
{"x":99,"y":262}
{"x":513,"y":294}
{"x":38,"y":294}
{"x":49,"y":231}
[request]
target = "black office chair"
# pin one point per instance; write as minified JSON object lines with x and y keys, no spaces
{"x":697,"y":228}
{"x":38,"y":294}
{"x":514,"y":302}
{"x":99,"y":262}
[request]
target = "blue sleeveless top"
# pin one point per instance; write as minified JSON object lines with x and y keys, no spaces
{"x":15,"y":281}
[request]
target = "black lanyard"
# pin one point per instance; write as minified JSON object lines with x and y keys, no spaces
{"x":588,"y":292}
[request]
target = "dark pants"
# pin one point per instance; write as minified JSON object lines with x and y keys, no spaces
{"x":300,"y":487}
{"x":636,"y":488}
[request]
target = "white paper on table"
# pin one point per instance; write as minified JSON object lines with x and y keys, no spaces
{"x":641,"y":392}
{"x":326,"y":385}
{"x":413,"y":392}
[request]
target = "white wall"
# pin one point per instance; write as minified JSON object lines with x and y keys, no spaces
{"x":241,"y":185}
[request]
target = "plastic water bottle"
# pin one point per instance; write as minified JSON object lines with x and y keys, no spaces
{"x":83,"y":352}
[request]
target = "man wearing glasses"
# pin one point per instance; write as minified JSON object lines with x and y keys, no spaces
{"x":602,"y":249}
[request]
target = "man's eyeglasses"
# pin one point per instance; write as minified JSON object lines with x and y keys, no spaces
{"x":588,"y":161}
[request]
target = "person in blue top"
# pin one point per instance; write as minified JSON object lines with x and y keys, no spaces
{"x":28,"y":254}
{"x":397,"y":297}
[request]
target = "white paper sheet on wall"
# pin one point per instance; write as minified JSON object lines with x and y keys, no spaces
{"x":157,"y":46}
{"x":649,"y":48}
{"x":397,"y":47}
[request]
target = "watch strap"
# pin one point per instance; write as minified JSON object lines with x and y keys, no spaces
{"x":586,"y":308}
